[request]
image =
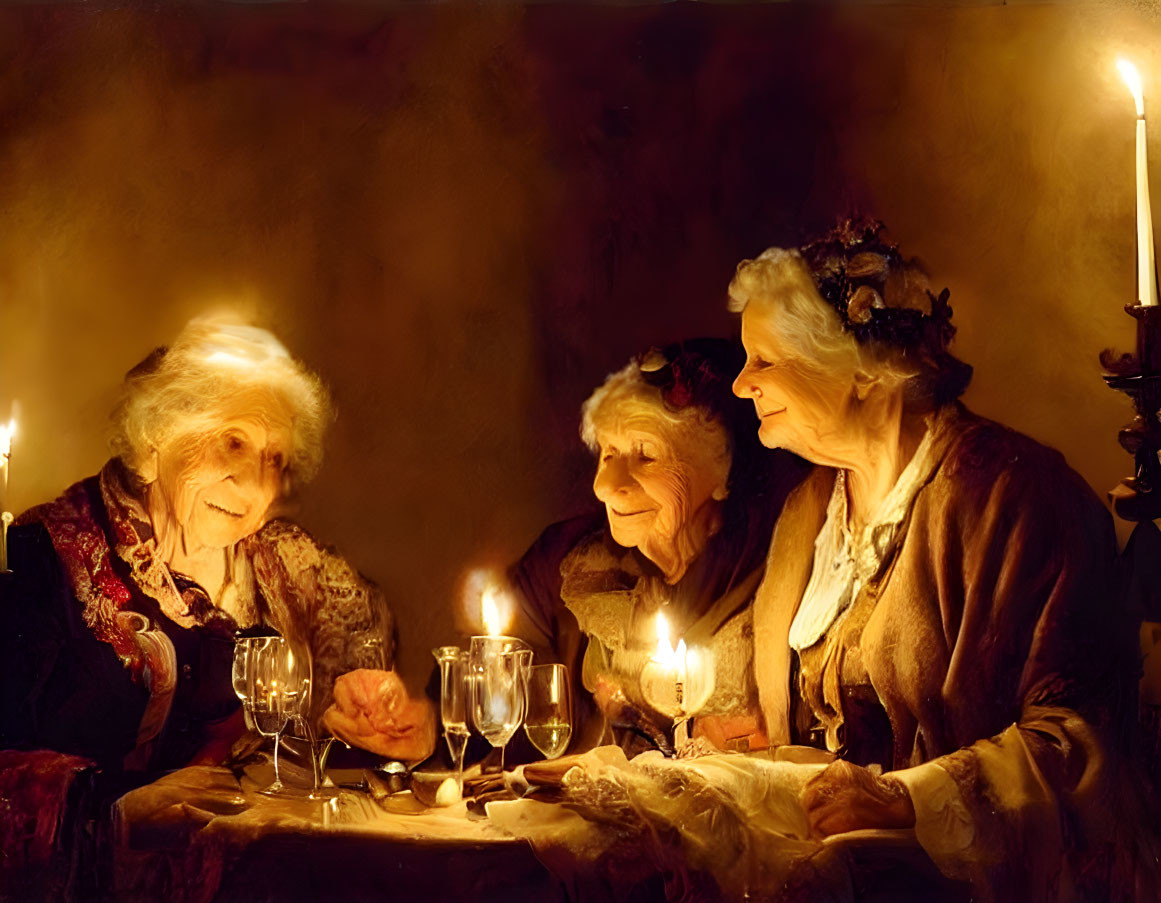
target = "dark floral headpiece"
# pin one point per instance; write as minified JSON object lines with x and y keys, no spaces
{"x":695,"y":372}
{"x":878,"y":295}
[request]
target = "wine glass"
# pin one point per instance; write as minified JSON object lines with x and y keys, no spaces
{"x":454,"y":691}
{"x":499,"y":679}
{"x":279,"y":691}
{"x":548,"y":720}
{"x":241,"y":673}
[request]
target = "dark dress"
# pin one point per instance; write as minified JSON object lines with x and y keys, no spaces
{"x":63,"y":689}
{"x":564,"y":554}
{"x":108,"y":654}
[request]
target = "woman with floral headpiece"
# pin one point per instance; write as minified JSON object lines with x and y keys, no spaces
{"x":689,"y":497}
{"x":943,"y":606}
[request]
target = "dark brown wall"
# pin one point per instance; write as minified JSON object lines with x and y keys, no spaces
{"x":464,"y":217}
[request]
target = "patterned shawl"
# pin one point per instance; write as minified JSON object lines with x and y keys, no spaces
{"x":281,"y":576}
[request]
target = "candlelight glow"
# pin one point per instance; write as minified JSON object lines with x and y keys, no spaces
{"x":486,"y":599}
{"x":494,"y":621}
{"x":664,"y":652}
{"x":230,"y":360}
{"x":6,"y":434}
{"x":666,"y":655}
{"x":1133,"y":80}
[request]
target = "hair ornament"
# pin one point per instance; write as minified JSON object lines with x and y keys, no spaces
{"x":877,"y":294}
{"x":686,"y":373}
{"x":651,"y":361}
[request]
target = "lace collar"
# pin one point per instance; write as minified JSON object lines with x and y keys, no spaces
{"x":846,"y":561}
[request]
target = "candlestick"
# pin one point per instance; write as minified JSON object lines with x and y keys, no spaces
{"x":1146,"y":264}
{"x":6,"y":434}
{"x":5,"y":522}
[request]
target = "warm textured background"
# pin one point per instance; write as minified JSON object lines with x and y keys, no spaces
{"x":465,"y":216}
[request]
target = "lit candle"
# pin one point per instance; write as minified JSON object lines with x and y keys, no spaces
{"x":674,"y":662}
{"x":1146,"y":267}
{"x":682,"y":674}
{"x":6,"y":434}
{"x":494,"y":621}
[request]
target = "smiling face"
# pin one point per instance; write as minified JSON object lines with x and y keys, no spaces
{"x":658,"y":482}
{"x":801,"y":408}
{"x":218,"y":487}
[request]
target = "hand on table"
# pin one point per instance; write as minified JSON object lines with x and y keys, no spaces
{"x":373,"y":711}
{"x":620,"y":712}
{"x":846,"y":797}
{"x":731,"y":732}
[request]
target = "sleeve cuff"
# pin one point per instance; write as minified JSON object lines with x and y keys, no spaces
{"x":943,"y":825}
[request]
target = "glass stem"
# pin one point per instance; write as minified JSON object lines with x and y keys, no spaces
{"x":315,"y":756}
{"x":502,"y":748}
{"x":277,"y":780}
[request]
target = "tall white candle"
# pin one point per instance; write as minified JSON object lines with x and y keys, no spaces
{"x":6,"y":433}
{"x":1146,"y":265}
{"x":5,"y":454}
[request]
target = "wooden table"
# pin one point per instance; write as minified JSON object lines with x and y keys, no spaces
{"x":202,"y":835}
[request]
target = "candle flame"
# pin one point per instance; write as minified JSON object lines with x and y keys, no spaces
{"x":666,"y":655}
{"x":1133,"y":80}
{"x":6,"y":434}
{"x":486,"y":595}
{"x":664,"y":652}
{"x":490,"y":613}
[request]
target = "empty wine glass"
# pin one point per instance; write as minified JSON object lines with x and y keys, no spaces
{"x":279,"y":691}
{"x":454,"y":693}
{"x":239,"y":673}
{"x":242,"y":673}
{"x":548,"y":720}
{"x":499,"y":676}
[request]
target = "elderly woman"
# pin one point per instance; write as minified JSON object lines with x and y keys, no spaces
{"x":128,"y":589}
{"x":688,"y":495}
{"x":941,"y":606}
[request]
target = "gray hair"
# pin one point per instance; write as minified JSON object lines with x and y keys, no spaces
{"x":186,"y":390}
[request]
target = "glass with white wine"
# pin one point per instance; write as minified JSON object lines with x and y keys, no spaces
{"x":548,"y":720}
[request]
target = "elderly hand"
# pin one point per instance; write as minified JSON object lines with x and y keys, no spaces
{"x":846,"y":797}
{"x":373,"y":711}
{"x":740,"y":733}
{"x":620,"y":712}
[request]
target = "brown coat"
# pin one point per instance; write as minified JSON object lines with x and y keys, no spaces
{"x":996,"y":646}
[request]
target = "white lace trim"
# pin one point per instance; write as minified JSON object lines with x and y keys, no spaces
{"x":844,"y":563}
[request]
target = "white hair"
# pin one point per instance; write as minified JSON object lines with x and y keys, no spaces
{"x":625,"y":398}
{"x":191,"y":387}
{"x":779,"y":284}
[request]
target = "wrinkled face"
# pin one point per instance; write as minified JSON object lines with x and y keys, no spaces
{"x":219,"y":487}
{"x":653,"y":489}
{"x":800,"y":408}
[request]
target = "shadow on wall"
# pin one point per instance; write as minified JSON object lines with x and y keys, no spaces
{"x":465,"y":217}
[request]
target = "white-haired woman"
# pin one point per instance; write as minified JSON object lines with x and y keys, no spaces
{"x":943,"y":603}
{"x":689,"y":496}
{"x":128,"y":589}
